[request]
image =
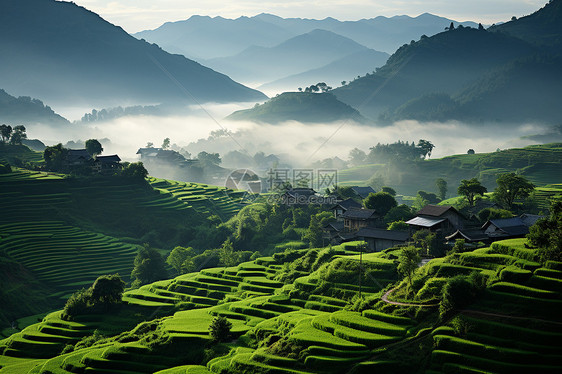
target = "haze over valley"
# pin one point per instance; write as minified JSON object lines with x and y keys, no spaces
{"x":280,"y":187}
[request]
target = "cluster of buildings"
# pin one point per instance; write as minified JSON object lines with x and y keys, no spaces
{"x":354,"y":222}
{"x":80,"y":159}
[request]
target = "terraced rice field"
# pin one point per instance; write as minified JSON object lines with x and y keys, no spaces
{"x":299,"y":328}
{"x":48,"y":219}
{"x":248,"y":296}
{"x":65,"y":257}
{"x":203,"y":198}
{"x":516,"y":327}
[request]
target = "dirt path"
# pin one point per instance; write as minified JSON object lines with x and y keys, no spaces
{"x":387,"y":293}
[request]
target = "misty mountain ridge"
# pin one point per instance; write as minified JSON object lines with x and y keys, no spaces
{"x":27,"y":111}
{"x":296,"y":55}
{"x":343,"y":69}
{"x":299,"y":106}
{"x":460,"y":73}
{"x":70,"y":55}
{"x":211,"y":37}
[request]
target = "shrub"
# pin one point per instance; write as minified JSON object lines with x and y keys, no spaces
{"x":220,"y":329}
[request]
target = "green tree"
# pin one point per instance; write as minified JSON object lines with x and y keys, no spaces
{"x":54,"y":157}
{"x":510,"y":187}
{"x":93,"y":146}
{"x":209,"y":158}
{"x":219,"y":329}
{"x":357,"y":157}
{"x":166,"y":143}
{"x":18,"y":135}
{"x":178,"y":256}
{"x":487,"y":214}
{"x":381,"y":202}
{"x":389,"y":190}
{"x":469,"y":188}
{"x":426,"y":146}
{"x":5,"y":132}
{"x":398,"y":226}
{"x":148,"y":267}
{"x":313,"y":234}
{"x":401,"y":212}
{"x":441,"y":185}
{"x":134,"y":170}
{"x":108,"y":289}
{"x":227,"y":255}
{"x":546,"y":234}
{"x":409,"y":260}
{"x":425,"y":240}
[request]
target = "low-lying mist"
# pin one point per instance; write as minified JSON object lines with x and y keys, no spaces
{"x":299,"y":144}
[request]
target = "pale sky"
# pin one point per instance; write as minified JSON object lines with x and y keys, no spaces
{"x":138,"y":15}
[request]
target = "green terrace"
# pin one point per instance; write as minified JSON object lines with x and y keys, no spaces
{"x":289,"y":320}
{"x":203,"y":198}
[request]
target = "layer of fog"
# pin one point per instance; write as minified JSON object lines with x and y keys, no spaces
{"x":298,"y":143}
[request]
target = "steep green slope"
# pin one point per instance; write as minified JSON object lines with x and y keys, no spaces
{"x":538,"y":163}
{"x":314,"y":323}
{"x":64,"y":232}
{"x":71,"y":55}
{"x":25,"y":110}
{"x":299,"y":106}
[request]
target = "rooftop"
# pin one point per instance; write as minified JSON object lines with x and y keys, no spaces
{"x":435,"y":210}
{"x":425,"y":221}
{"x":361,"y":214}
{"x":374,"y":233}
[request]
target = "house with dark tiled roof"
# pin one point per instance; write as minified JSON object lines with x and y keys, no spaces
{"x":342,"y":206}
{"x":444,"y":219}
{"x":363,"y":192}
{"x":355,"y":219}
{"x":107,"y":164}
{"x":380,"y":239}
{"x":77,"y":158}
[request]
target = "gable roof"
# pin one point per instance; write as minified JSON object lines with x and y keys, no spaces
{"x":511,"y":226}
{"x":295,"y":192}
{"x":336,"y":226}
{"x":359,"y":214}
{"x":111,"y":158}
{"x":363,"y":191}
{"x":425,"y":221}
{"x":347,"y":204}
{"x":471,"y":235}
{"x":436,"y":210}
{"x":374,"y":233}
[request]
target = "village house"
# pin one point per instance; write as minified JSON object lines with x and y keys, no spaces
{"x":444,"y":219}
{"x":77,"y":158}
{"x":380,"y":239}
{"x":342,"y":206}
{"x":363,"y":192}
{"x":355,"y":219}
{"x":107,"y":164}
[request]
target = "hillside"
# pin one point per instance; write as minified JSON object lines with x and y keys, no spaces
{"x":445,"y":64}
{"x":203,"y":37}
{"x":71,"y":56}
{"x":25,"y":110}
{"x":301,"y":53}
{"x":541,"y":28}
{"x":299,"y":106}
{"x":298,"y":312}
{"x":343,"y":69}
{"x":538,"y":163}
{"x":61,"y":232}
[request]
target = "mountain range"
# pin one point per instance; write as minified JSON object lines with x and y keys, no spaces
{"x":296,"y":55}
{"x":27,"y":111}
{"x":203,"y":37}
{"x":509,"y":72}
{"x":63,"y":53}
